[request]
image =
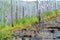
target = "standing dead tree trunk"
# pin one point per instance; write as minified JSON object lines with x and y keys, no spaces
{"x":39,"y":19}
{"x":47,"y":5}
{"x":40,"y":22}
{"x":23,"y":12}
{"x":16,"y":11}
{"x":11,"y":16}
{"x":38,"y":11}
{"x":38,"y":16}
{"x":3,"y":16}
{"x":55,"y":5}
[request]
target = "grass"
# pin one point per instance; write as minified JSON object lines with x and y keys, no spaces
{"x":26,"y":22}
{"x":29,"y":21}
{"x":5,"y":33}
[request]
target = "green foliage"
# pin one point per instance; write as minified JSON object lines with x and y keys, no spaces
{"x":31,"y":20}
{"x":26,"y":20}
{"x":6,"y":34}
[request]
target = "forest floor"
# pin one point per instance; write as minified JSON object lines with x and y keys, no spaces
{"x":32,"y":33}
{"x":54,"y":22}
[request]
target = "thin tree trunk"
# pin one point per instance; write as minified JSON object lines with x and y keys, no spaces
{"x":38,"y":11}
{"x":47,"y":6}
{"x":11,"y":16}
{"x":16,"y":11}
{"x":55,"y":5}
{"x":3,"y":16}
{"x":39,"y":19}
{"x":23,"y":12}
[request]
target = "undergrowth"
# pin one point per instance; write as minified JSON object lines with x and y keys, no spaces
{"x":7,"y":31}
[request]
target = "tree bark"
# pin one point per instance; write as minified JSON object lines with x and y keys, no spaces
{"x":23,"y":12}
{"x":11,"y":15}
{"x":16,"y":11}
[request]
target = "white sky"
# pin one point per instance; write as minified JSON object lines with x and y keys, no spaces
{"x":33,"y":0}
{"x":38,"y":0}
{"x":29,"y":0}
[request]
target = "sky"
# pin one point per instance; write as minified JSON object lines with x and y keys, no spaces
{"x":36,"y":0}
{"x":29,"y":0}
{"x":40,"y":0}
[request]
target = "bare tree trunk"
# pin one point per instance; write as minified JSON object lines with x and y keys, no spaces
{"x":3,"y":16}
{"x":33,"y":11}
{"x":16,"y":11}
{"x":47,"y":6}
{"x":38,"y":11}
{"x":55,"y":8}
{"x":55,"y":5}
{"x":39,"y":19}
{"x":23,"y":12}
{"x":41,"y":22}
{"x":11,"y":16}
{"x":38,"y":16}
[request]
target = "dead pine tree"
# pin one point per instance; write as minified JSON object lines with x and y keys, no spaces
{"x":47,"y":5}
{"x":12,"y":15}
{"x":38,"y":12}
{"x":16,"y":11}
{"x":33,"y":10}
{"x":23,"y":12}
{"x":40,"y":22}
{"x":55,"y":7}
{"x":39,"y":19}
{"x":38,"y":15}
{"x":3,"y":16}
{"x":55,"y":4}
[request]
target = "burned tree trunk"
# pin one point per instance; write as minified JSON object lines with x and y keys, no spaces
{"x":55,"y":5}
{"x":39,"y":16}
{"x":40,"y":22}
{"x":38,"y":11}
{"x":47,"y":5}
{"x":16,"y":11}
{"x":23,"y":12}
{"x":3,"y":16}
{"x":11,"y":16}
